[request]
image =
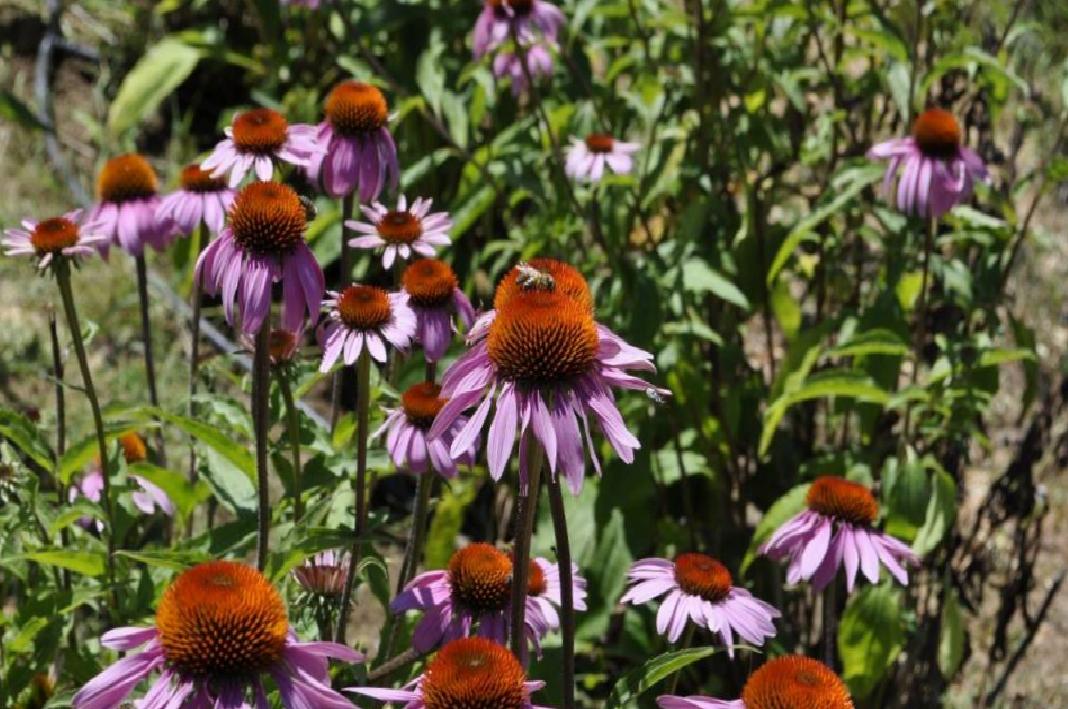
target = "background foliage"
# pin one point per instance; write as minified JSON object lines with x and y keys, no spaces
{"x":750,"y":251}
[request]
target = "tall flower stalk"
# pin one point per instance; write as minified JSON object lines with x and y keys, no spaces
{"x":526,"y":515}
{"x":261,"y":387}
{"x":61,"y":267}
{"x":293,"y":434}
{"x":150,"y":360}
{"x":567,"y":590}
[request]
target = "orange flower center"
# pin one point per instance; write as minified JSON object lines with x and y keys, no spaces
{"x":542,"y":337}
{"x":701,"y":575}
{"x":194,"y":179}
{"x":421,"y":403}
{"x":354,"y":108}
{"x":481,"y":578}
{"x":937,"y":133}
{"x":843,"y":499}
{"x":267,"y":218}
{"x":429,"y":283}
{"x":221,"y":620}
{"x":364,"y":307}
{"x":54,"y":235}
{"x":565,"y":279}
{"x":400,"y":227}
{"x":795,"y":682}
{"x":133,"y":447}
{"x":536,"y":584}
{"x":126,"y":178}
{"x":281,"y":344}
{"x":600,"y":143}
{"x":261,"y":131}
{"x":518,"y":7}
{"x":473,"y":673}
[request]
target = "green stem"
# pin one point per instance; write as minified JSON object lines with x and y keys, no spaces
{"x":527,"y":506}
{"x":567,"y":591}
{"x":61,"y":424}
{"x":293,"y":431}
{"x":359,"y":484}
{"x":348,"y":206}
{"x":687,"y":639}
{"x":261,"y":386}
{"x":150,"y":361}
{"x":62,"y":271}
{"x":194,"y":372}
{"x":921,"y":318}
{"x":830,"y":624}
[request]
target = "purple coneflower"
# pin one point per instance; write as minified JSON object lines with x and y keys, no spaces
{"x":546,"y":364}
{"x":402,"y":231}
{"x":836,"y":529}
{"x":586,"y":159}
{"x":509,"y":64}
{"x":45,"y":239}
{"x":200,"y":199}
{"x":435,"y":296}
{"x":787,"y":682}
{"x":220,"y":626}
{"x":364,"y":316}
{"x":543,"y":590}
{"x":263,"y":244}
{"x":936,"y":170}
{"x":356,"y":147}
{"x":324,"y":574}
{"x":699,"y":588}
{"x":126,"y":211}
{"x":146,"y":498}
{"x":256,"y":139}
{"x":528,"y":19}
{"x":471,"y":596}
{"x":469,"y":672}
{"x":406,"y":427}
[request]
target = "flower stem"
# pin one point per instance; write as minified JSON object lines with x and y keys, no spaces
{"x":567,"y":589}
{"x":687,"y":640}
{"x":293,"y":431}
{"x":62,"y":271}
{"x":261,"y":386}
{"x":194,"y":374}
{"x":921,"y":316}
{"x":526,"y":514}
{"x":830,"y":623}
{"x":61,"y":424}
{"x":359,"y":485}
{"x":150,"y":362}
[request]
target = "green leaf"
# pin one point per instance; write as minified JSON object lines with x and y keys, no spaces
{"x":780,"y":511}
{"x":448,"y":518}
{"x":951,"y":636}
{"x":639,"y":680}
{"x":235,"y":453}
{"x":907,"y":289}
{"x":941,"y":511}
{"x":832,"y":383}
{"x":185,"y":495}
{"x":152,"y":79}
{"x":856,"y":179}
{"x":878,"y":341}
{"x":905,"y":495}
{"x":25,"y":436}
{"x":699,"y":277}
{"x":23,"y":642}
{"x":89,"y":563}
{"x":230,"y":484}
{"x":991,"y":358}
{"x":870,"y":636}
{"x":167,"y":559}
{"x":12,"y":109}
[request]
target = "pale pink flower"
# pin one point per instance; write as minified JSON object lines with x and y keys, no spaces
{"x":46,"y":239}
{"x":364,"y":316}
{"x":403,"y":231}
{"x":587,"y":159}
{"x":201,"y":199}
{"x":255,"y":141}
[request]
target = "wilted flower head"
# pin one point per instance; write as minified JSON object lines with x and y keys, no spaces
{"x":255,"y":140}
{"x":699,"y":588}
{"x":220,"y":626}
{"x":282,"y":344}
{"x":586,"y":159}
{"x":46,"y":239}
{"x":356,"y":148}
{"x":836,"y":529}
{"x":466,"y":673}
{"x":125,"y":212}
{"x":403,"y":231}
{"x":787,"y":682}
{"x":201,"y":198}
{"x":263,"y":244}
{"x":406,"y":427}
{"x":528,"y":19}
{"x":934,"y":170}
{"x":435,"y":296}
{"x":546,"y":365}
{"x":364,"y":316}
{"x":324,"y":574}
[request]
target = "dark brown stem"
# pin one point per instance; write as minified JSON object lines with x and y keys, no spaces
{"x":61,"y":424}
{"x":343,"y":375}
{"x":359,"y":485}
{"x":567,"y":591}
{"x":830,"y":624}
{"x":150,"y":363}
{"x":293,"y":432}
{"x":194,"y":374}
{"x":261,"y":387}
{"x":527,"y":507}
